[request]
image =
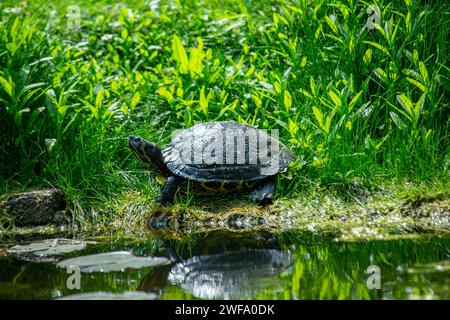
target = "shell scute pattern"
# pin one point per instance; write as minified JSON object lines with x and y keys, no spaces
{"x":185,"y":156}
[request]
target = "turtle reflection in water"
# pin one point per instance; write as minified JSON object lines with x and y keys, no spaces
{"x":230,"y":275}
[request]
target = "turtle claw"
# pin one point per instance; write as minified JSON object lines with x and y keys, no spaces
{"x":261,"y":198}
{"x":160,"y":199}
{"x":263,"y":195}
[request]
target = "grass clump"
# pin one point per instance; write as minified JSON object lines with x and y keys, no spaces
{"x":358,"y":90}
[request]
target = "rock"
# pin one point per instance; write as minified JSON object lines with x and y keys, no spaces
{"x":35,"y":207}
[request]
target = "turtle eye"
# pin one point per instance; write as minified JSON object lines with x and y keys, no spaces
{"x":134,"y":141}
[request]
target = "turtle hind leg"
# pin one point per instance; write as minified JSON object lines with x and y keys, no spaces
{"x":264,"y":193}
{"x":169,"y":190}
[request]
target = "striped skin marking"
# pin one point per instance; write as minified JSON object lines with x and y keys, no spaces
{"x":141,"y":155}
{"x":205,"y":186}
{"x":161,"y":179}
{"x":222,"y":186}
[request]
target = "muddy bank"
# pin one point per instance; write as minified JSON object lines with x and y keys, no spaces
{"x":378,"y":217}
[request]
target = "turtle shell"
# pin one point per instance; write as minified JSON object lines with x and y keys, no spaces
{"x":226,"y":151}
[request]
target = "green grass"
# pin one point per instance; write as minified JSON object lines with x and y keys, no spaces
{"x":357,"y":105}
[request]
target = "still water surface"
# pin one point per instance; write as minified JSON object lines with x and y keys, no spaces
{"x":249,"y":265}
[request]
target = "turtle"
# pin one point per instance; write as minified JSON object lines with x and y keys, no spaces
{"x":217,"y":156}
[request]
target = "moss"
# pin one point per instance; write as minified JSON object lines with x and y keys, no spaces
{"x":380,"y":216}
{"x":389,"y":212}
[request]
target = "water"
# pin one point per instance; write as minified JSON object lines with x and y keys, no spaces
{"x":250,"y":265}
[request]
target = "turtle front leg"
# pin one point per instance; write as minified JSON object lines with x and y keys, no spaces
{"x":264,"y":193}
{"x":169,"y":190}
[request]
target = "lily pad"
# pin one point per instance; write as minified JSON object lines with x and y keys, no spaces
{"x":48,"y":248}
{"x":127,"y":295}
{"x":112,"y":261}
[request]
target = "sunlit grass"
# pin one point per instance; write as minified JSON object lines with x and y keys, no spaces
{"x":357,"y":104}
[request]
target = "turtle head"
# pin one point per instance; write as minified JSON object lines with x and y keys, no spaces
{"x":149,"y":153}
